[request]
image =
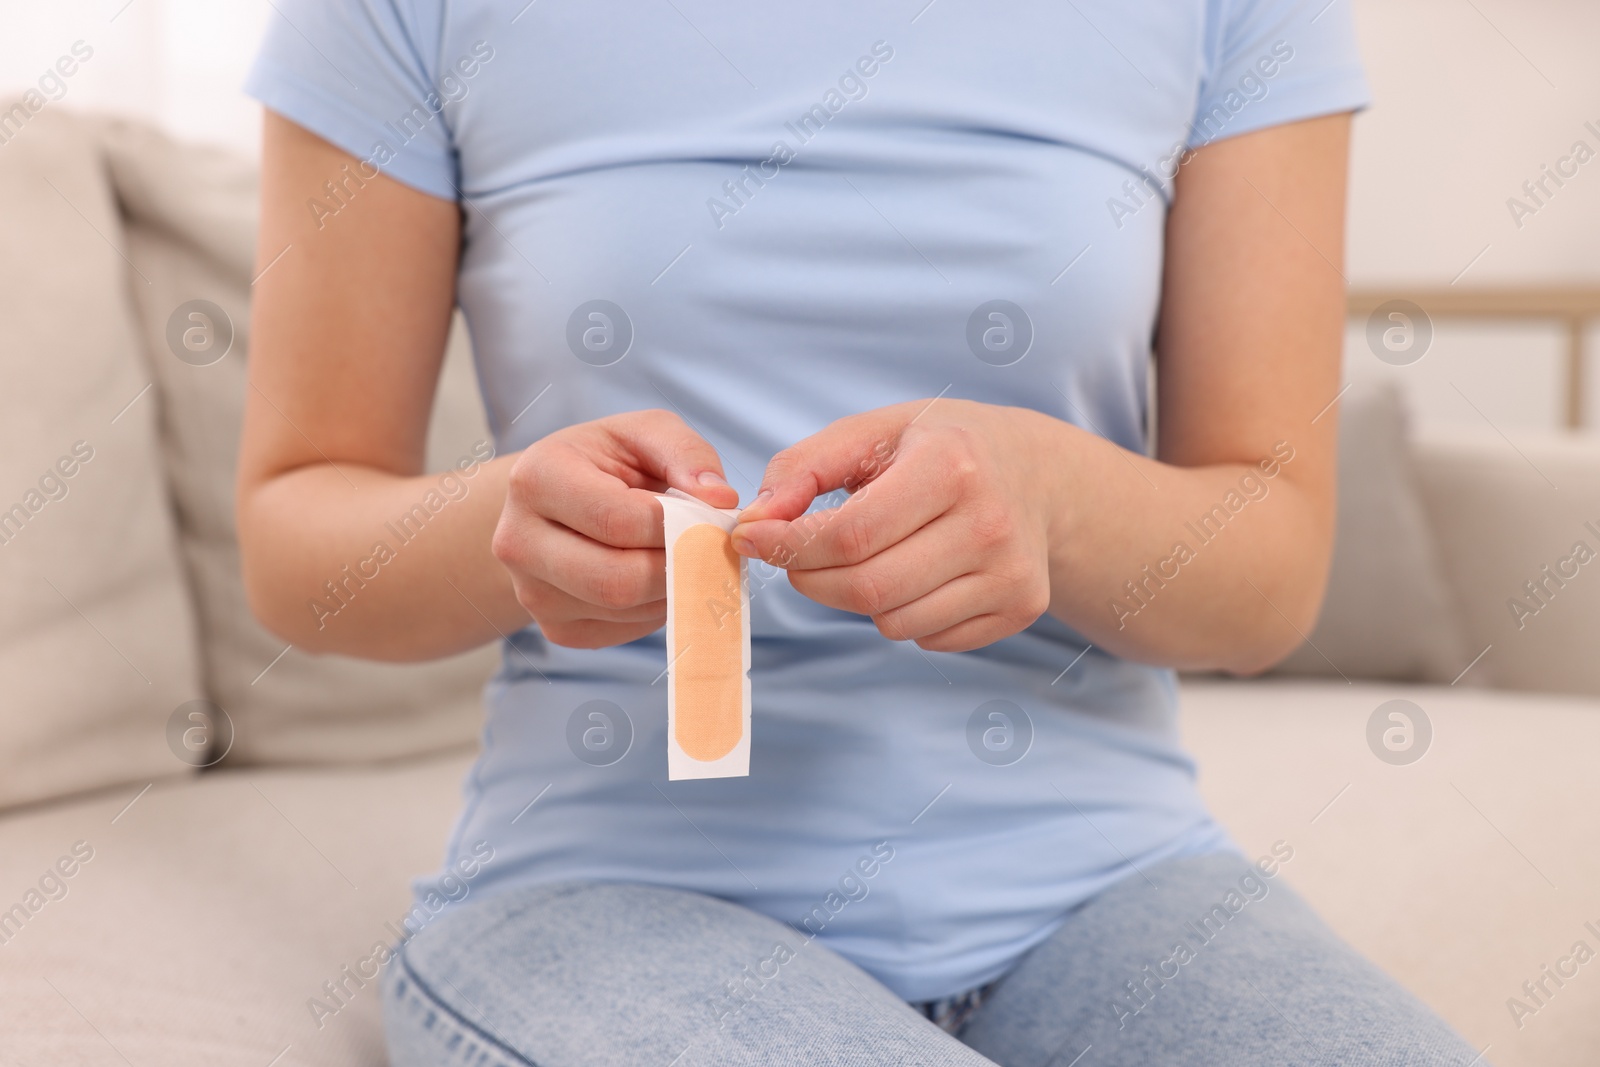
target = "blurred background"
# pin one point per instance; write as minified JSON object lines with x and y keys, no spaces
{"x":1472,"y":99}
{"x":1432,"y":757}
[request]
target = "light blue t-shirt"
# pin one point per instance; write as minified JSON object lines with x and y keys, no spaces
{"x":766,"y":217}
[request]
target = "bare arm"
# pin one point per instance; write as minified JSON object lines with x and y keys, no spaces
{"x":1252,"y":322}
{"x":968,"y":521}
{"x":348,"y":339}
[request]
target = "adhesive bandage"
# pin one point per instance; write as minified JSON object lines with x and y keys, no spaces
{"x":708,"y":642}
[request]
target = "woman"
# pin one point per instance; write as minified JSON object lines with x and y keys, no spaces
{"x":767,"y":255}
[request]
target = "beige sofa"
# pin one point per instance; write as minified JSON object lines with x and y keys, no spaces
{"x":153,"y":913}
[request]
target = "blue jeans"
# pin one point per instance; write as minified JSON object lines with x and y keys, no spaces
{"x":1184,"y":963}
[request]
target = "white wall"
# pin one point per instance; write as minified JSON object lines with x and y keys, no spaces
{"x":179,"y":62}
{"x":1472,"y":97}
{"x":1463,"y":116}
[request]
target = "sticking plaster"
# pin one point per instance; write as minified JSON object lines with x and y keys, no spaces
{"x":708,"y":642}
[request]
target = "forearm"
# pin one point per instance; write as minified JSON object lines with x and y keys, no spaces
{"x":1218,"y":566}
{"x":360,"y":561}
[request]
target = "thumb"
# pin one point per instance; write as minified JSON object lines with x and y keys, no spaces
{"x":663,"y":447}
{"x":843,"y":455}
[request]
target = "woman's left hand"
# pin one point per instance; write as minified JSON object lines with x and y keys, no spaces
{"x":945,"y":538}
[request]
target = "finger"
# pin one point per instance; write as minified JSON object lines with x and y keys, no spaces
{"x":602,"y":484}
{"x":660,"y":445}
{"x":552,"y":606}
{"x":590,"y":634}
{"x":976,"y":632}
{"x":905,"y":572}
{"x":911,"y":493}
{"x":547,"y":560}
{"x":946,"y":617}
{"x":843,"y":455}
{"x":566,"y":486}
{"x":596,"y":574}
{"x":966,"y":597}
{"x":953,"y":602}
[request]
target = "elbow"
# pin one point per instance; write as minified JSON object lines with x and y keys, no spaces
{"x":268,"y":602}
{"x":1281,"y":599}
{"x":1283,"y":618}
{"x":267,"y":592}
{"x":1261,"y":657}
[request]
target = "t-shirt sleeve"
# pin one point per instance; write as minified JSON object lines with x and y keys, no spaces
{"x":1268,"y":62}
{"x":360,"y":74}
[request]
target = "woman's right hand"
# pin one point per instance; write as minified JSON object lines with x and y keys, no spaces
{"x":581,"y":529}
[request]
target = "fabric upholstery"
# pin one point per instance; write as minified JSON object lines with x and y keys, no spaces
{"x":1462,"y":873}
{"x":97,"y":636}
{"x":211,"y":914}
{"x":214,"y":909}
{"x":191,"y":231}
{"x":1506,"y":515}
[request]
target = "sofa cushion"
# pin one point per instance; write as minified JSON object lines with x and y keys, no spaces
{"x":1463,"y":872}
{"x":97,"y":636}
{"x":198,"y":925}
{"x":213,"y":911}
{"x":1388,"y":612}
{"x":191,"y":220}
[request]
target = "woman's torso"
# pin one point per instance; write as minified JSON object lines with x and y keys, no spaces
{"x":781,"y":217}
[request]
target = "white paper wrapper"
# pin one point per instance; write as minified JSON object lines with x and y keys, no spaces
{"x":687,"y":667}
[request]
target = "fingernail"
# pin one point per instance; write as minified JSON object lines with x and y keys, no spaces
{"x":743,"y":545}
{"x":710,"y":478}
{"x":762,"y":497}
